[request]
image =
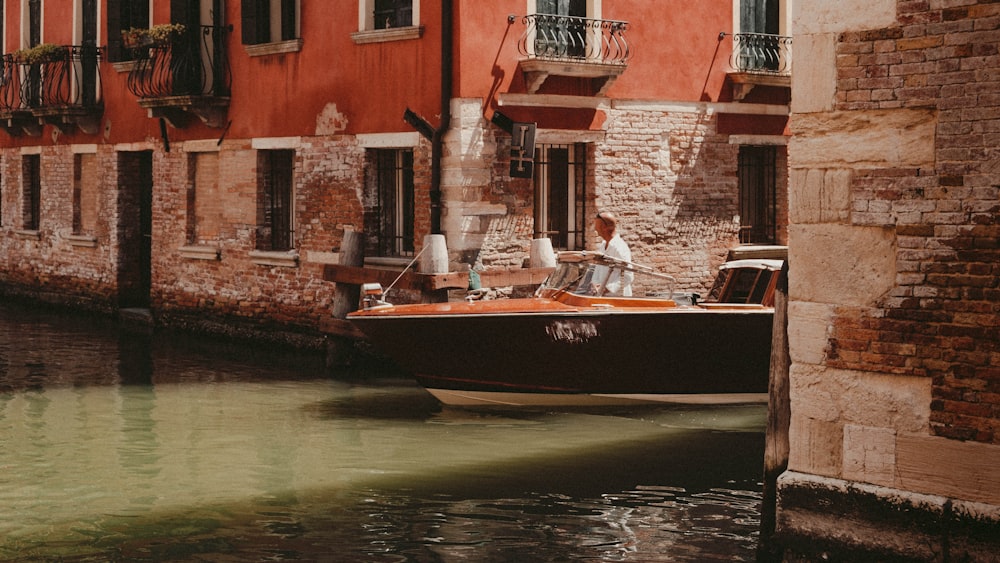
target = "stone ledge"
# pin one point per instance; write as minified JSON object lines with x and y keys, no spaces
{"x":281,"y":259}
{"x":82,"y":241}
{"x":200,"y":252}
{"x":823,"y":518}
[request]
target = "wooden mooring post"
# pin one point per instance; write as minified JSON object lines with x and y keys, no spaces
{"x":347,"y":296}
{"x":776,"y":445}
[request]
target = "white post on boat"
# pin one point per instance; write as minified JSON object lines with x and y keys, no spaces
{"x":434,"y":257}
{"x":434,"y":260}
{"x":542,"y":255}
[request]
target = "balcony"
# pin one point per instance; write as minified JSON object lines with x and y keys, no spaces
{"x":760,"y":59}
{"x":54,"y":84}
{"x":183,"y":75}
{"x":574,"y":47}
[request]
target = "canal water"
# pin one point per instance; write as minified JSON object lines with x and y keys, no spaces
{"x":116,"y":446}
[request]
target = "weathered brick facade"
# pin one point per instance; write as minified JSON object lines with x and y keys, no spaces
{"x":940,"y":319}
{"x":893,"y":298}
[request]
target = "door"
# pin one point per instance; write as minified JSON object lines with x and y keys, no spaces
{"x":761,"y":19}
{"x":135,"y":228}
{"x":758,"y":188}
{"x":561,"y":29}
{"x":33,"y":92}
{"x":88,"y":54}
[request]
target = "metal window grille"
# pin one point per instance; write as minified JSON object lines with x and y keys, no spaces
{"x":394,"y":201}
{"x":560,"y":194}
{"x":277,"y":227}
{"x":757,"y":187}
{"x":31,"y":173}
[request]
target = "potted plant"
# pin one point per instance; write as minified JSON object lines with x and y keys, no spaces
{"x":41,"y":53}
{"x":160,"y":34}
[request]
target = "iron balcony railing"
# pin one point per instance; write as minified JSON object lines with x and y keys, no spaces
{"x":190,"y":64}
{"x":762,"y":53}
{"x":569,"y":38}
{"x":67,"y":78}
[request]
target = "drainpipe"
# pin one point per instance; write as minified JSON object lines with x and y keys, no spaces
{"x":437,"y":143}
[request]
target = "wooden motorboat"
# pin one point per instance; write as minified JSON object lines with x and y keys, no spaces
{"x":570,"y":344}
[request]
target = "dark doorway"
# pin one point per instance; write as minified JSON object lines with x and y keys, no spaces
{"x":135,"y":228}
{"x":758,"y":188}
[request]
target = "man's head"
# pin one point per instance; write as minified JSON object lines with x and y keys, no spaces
{"x":605,"y":224}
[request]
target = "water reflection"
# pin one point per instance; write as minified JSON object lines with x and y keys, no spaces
{"x":119,"y":448}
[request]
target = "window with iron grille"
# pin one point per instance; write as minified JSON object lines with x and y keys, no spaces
{"x":32,"y":191}
{"x":560,"y":194}
{"x":122,"y":16}
{"x":389,"y":207}
{"x":757,"y":187}
{"x":275,"y":224}
{"x":269,"y":21}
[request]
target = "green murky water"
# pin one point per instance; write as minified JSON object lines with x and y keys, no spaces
{"x":117,"y":447}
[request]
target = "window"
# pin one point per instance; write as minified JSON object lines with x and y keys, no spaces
{"x":389,"y":205}
{"x":560,"y":194}
{"x":275,"y":217}
{"x":31,"y":191}
{"x":757,"y":187}
{"x":204,"y":201}
{"x":85,"y":194}
{"x":393,"y":13}
{"x":270,"y":21}
{"x":122,"y":16}
{"x":387,"y":14}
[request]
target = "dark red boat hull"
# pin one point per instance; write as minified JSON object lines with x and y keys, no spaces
{"x":685,"y":351}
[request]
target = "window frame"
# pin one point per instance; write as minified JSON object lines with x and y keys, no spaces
{"x":368,"y":32}
{"x":117,"y":53}
{"x":275,"y":198}
{"x":390,"y":202}
{"x":31,"y":191}
{"x":571,"y":227}
{"x":271,"y":26}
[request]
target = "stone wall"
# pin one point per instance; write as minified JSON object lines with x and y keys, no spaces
{"x":894,"y":253}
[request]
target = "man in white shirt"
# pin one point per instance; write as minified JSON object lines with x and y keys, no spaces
{"x":615,"y":281}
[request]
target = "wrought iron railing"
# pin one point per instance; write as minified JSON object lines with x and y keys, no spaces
{"x":568,"y":38}
{"x":68,"y":78}
{"x":190,"y":64}
{"x":762,"y":53}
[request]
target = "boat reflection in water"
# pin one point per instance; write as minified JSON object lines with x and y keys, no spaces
{"x":571,"y":344}
{"x":129,"y":449}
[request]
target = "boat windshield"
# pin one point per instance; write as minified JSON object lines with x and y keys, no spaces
{"x":575,"y":273}
{"x":569,"y":276}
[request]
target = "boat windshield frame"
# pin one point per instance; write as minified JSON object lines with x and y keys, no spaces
{"x":575,"y":271}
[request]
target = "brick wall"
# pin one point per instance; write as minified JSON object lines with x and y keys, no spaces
{"x":941,"y":318}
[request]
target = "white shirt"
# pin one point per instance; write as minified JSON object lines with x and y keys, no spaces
{"x":615,"y":283}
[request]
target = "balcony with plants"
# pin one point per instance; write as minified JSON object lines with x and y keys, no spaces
{"x":575,"y":47}
{"x":180,"y":72}
{"x":51,"y":84}
{"x":760,"y":59}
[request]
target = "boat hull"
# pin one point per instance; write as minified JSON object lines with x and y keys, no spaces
{"x":581,"y":357}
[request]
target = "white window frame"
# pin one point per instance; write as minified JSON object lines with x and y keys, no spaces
{"x":367,"y":33}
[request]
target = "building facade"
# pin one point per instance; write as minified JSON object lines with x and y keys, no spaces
{"x":202,"y":159}
{"x":894,"y":304}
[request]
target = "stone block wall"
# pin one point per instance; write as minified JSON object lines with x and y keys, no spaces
{"x":894,"y":253}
